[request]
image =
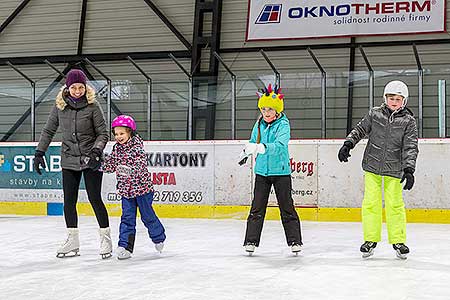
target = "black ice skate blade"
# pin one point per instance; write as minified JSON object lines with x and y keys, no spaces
{"x":67,"y":255}
{"x":106,"y":255}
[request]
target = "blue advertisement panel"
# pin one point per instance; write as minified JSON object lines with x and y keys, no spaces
{"x":17,"y":172}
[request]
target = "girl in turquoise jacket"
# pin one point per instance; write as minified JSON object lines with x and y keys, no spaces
{"x":269,"y":144}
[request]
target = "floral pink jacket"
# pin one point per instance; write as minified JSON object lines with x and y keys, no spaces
{"x":129,"y":162}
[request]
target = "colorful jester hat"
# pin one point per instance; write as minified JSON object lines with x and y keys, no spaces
{"x":272,"y":98}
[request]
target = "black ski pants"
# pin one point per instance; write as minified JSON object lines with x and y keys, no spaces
{"x":71,"y":184}
{"x":289,"y":217}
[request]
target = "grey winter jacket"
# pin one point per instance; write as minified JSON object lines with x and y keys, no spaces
{"x":392,"y":146}
{"x":83,"y":128}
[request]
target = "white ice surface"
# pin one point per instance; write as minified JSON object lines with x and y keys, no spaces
{"x":204,"y":259}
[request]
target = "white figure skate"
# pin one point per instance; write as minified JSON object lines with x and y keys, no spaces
{"x":123,"y":253}
{"x":71,"y":246}
{"x":159,"y":247}
{"x":105,"y":243}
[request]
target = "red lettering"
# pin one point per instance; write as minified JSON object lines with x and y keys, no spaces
{"x":156,"y":179}
{"x":425,"y":6}
{"x":302,"y":167}
{"x":164,"y":178}
{"x":172,"y":180}
{"x":399,"y":6}
{"x":375,"y":8}
{"x":357,"y":7}
{"x":387,"y":8}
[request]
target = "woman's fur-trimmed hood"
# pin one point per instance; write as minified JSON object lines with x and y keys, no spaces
{"x":61,"y":104}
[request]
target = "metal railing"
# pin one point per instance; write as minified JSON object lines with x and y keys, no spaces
{"x":243,"y":86}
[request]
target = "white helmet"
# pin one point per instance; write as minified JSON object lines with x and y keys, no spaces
{"x":396,"y":87}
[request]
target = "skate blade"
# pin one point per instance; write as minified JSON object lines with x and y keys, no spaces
{"x":123,"y":258}
{"x":401,"y":256}
{"x":249,"y":249}
{"x":296,"y":252}
{"x":106,"y":255}
{"x":72,"y":253}
{"x":368,"y":254}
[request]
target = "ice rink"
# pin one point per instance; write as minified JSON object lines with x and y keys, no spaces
{"x":204,"y":259}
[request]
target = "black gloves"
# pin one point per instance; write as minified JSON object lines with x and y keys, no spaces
{"x":95,"y":159}
{"x":344,"y":152}
{"x":408,"y":175}
{"x":39,"y":161}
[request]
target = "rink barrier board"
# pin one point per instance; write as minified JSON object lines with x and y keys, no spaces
{"x":328,"y":184}
{"x":224,"y":212}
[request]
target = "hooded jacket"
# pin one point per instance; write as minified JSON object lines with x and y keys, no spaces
{"x":275,"y":136}
{"x":82,"y":125}
{"x":129,"y":162}
{"x":392,"y":146}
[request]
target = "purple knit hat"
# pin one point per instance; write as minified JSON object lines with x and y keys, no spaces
{"x":75,"y":76}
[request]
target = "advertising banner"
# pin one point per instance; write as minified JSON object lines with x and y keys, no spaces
{"x":19,"y":181}
{"x":287,"y":19}
{"x":303,"y":162}
{"x":182,"y":173}
{"x":200,"y":173}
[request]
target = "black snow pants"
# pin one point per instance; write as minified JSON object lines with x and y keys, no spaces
{"x":289,"y":217}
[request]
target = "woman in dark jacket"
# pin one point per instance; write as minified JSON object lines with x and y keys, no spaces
{"x":84,"y":136}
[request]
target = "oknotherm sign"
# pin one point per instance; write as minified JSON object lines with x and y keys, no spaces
{"x":297,"y":19}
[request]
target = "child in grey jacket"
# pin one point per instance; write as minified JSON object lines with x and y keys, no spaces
{"x":390,"y":155}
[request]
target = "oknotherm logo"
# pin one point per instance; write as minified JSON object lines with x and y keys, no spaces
{"x":270,"y":13}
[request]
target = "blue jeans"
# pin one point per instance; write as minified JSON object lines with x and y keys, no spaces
{"x":127,"y":231}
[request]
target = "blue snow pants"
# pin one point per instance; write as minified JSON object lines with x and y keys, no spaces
{"x":127,"y":230}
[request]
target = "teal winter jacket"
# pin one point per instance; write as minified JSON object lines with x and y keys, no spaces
{"x":275,"y":137}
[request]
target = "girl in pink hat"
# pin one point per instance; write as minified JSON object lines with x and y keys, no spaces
{"x":129,"y":161}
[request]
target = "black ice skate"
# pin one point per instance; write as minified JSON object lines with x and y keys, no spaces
{"x":401,"y":249}
{"x":249,"y":248}
{"x":367,"y":249}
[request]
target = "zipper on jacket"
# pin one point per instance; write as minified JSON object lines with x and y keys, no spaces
{"x":386,"y":132}
{"x":267,"y":135}
{"x":76,"y":137}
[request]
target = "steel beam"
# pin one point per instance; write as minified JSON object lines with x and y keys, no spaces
{"x":169,"y":24}
{"x":94,"y":57}
{"x":82,"y":24}
{"x":13,"y":15}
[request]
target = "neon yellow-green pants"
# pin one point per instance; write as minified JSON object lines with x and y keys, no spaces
{"x":372,"y":208}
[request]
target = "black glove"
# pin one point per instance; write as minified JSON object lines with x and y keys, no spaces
{"x":39,"y":161}
{"x":344,"y":152}
{"x":408,"y":175}
{"x":95,"y":159}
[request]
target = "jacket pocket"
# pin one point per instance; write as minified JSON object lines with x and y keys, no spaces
{"x":65,"y":148}
{"x":392,"y":167}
